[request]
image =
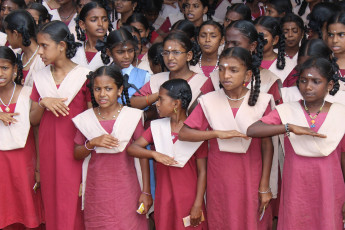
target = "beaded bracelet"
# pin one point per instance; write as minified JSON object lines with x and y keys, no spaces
{"x":87,"y":147}
{"x":146,"y":193}
{"x":265,"y":192}
{"x":287,"y":129}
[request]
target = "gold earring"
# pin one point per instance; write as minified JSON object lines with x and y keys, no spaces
{"x":175,"y":110}
{"x":244,"y":83}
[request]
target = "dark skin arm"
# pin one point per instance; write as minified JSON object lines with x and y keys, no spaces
{"x":267,"y":156}
{"x":260,"y":129}
{"x":140,"y":102}
{"x":196,"y":210}
{"x":194,"y":135}
{"x":144,"y":198}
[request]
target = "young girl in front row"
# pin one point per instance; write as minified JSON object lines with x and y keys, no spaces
{"x":313,"y":189}
{"x":238,"y":173}
{"x":181,"y":166}
{"x":20,"y":208}
{"x":178,"y":52}
{"x":104,"y":131}
{"x":59,"y":93}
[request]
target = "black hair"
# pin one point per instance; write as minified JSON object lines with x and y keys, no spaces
{"x":114,"y":38}
{"x":152,"y":6}
{"x":320,"y":14}
{"x":42,"y":11}
{"x":315,"y":47}
{"x":20,"y":3}
{"x":23,"y":23}
{"x":114,"y":72}
{"x":138,"y":17}
{"x":248,"y":30}
{"x":210,"y":10}
{"x":252,"y":63}
{"x":281,"y":6}
{"x":179,"y":89}
{"x":241,"y":9}
{"x":154,"y":54}
{"x":272,"y":25}
{"x":212,"y":23}
{"x":59,"y":32}
{"x":83,"y":14}
{"x":291,"y":17}
{"x":337,"y":18}
{"x":186,"y":43}
{"x":185,"y":26}
{"x":325,"y":68}
{"x":8,"y":54}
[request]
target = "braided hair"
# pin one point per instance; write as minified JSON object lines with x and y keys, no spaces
{"x":186,"y":43}
{"x":115,"y":38}
{"x":84,"y":12}
{"x":179,"y":89}
{"x":59,"y":32}
{"x":320,"y":14}
{"x":326,"y":69}
{"x":22,"y":22}
{"x":114,"y":72}
{"x":252,"y":63}
{"x":272,"y":25}
{"x":247,"y":29}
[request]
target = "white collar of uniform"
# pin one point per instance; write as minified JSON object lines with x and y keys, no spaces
{"x":128,"y":70}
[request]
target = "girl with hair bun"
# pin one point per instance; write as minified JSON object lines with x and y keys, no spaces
{"x":59,"y":93}
{"x":181,"y":166}
{"x":275,"y":62}
{"x":93,"y":23}
{"x":238,"y":196}
{"x":155,"y":58}
{"x":20,"y":28}
{"x":314,"y":151}
{"x":121,"y":46}
{"x":178,"y":52}
{"x":20,"y":208}
{"x":111,"y":194}
{"x":243,"y":34}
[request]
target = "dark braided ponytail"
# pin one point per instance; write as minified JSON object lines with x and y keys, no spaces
{"x":252,"y":63}
{"x":19,"y":78}
{"x":179,"y":89}
{"x":22,"y":22}
{"x":302,"y":8}
{"x":272,"y":25}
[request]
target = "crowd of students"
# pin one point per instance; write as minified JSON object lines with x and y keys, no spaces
{"x":174,"y":114}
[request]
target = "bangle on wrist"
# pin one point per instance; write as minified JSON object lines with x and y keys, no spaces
{"x":146,"y":193}
{"x":265,"y":192}
{"x":87,"y":147}
{"x":147,"y":100}
{"x":287,"y":130}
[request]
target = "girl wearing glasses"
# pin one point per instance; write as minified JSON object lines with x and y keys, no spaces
{"x":178,"y":52}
